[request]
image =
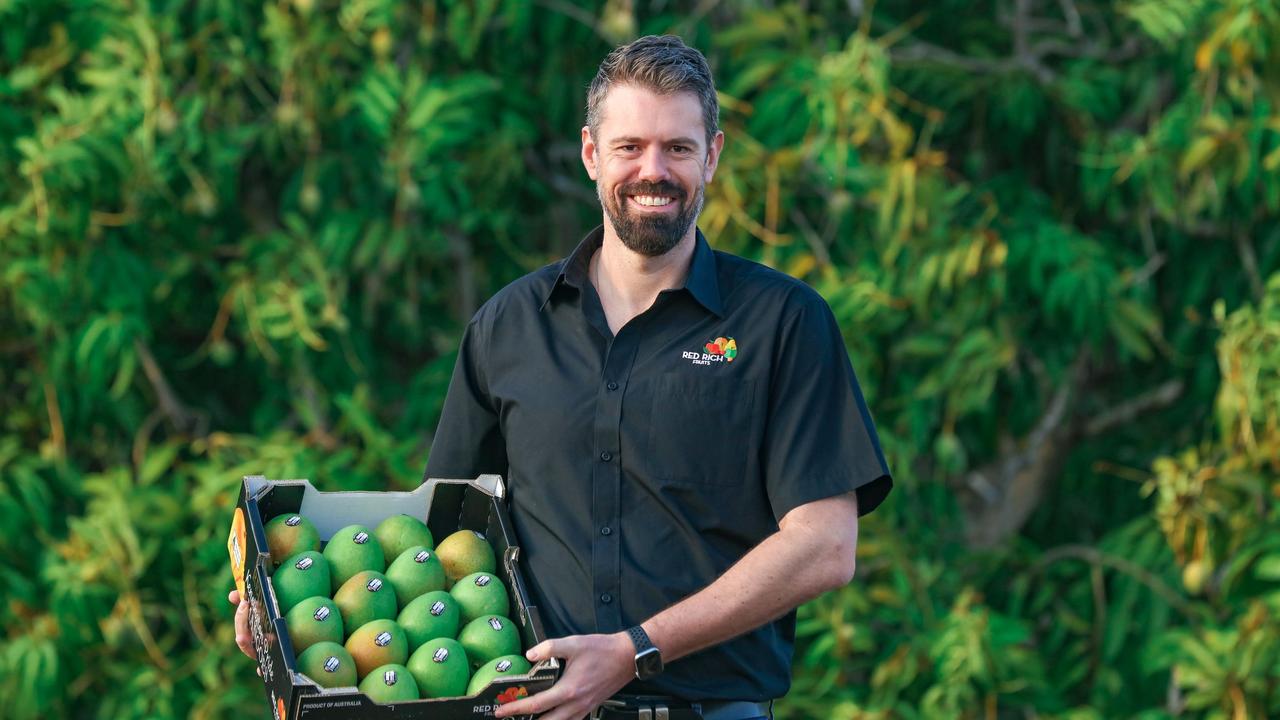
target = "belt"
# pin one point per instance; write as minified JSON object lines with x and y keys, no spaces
{"x":668,"y":708}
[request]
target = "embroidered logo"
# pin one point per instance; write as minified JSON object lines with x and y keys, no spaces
{"x":722,"y":349}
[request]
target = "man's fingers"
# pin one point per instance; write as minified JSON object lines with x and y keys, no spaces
{"x":243,"y":639}
{"x":563,"y":648}
{"x":566,"y":712}
{"x":245,"y":643}
{"x":539,"y":652}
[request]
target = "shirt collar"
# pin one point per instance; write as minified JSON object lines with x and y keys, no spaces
{"x":702,"y":282}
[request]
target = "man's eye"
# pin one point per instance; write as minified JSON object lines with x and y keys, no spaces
{"x":681,"y":149}
{"x":629,"y":148}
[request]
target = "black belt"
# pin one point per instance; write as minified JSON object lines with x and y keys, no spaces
{"x":650,"y":707}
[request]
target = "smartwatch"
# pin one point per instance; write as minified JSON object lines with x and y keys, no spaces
{"x":648,"y":657}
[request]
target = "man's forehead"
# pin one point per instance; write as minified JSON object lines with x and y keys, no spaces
{"x":630,"y":112}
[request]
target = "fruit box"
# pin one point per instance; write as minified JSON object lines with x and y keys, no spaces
{"x":446,"y":506}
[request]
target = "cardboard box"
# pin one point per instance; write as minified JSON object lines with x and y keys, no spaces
{"x":446,"y":506}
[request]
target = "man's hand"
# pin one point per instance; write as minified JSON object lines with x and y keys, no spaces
{"x":243,"y":639}
{"x":595,"y":667}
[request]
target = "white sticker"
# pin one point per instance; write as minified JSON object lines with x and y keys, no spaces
{"x":441,"y":655}
{"x":331,"y":665}
{"x":304,"y":563}
{"x":389,"y":677}
{"x":293,"y":521}
{"x":495,"y":623}
{"x":322,"y":613}
{"x":374,"y":585}
{"x":422,"y":557}
{"x":503,"y":666}
{"x":360,"y":538}
{"x":383,"y":639}
{"x":437,"y":608}
{"x":483,"y":580}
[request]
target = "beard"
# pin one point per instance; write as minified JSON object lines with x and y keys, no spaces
{"x":650,"y":235}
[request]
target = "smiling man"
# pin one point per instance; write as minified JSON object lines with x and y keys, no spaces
{"x":685,"y":444}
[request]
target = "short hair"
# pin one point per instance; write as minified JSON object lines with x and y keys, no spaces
{"x":659,"y":63}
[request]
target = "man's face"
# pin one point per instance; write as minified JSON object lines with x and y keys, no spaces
{"x":651,"y":164}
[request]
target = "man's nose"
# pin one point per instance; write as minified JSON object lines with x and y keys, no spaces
{"x":653,"y":164}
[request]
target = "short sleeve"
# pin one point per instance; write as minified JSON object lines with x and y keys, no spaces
{"x":468,"y":440}
{"x":819,"y":437}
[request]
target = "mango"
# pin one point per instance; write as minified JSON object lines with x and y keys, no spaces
{"x":415,"y":572}
{"x":351,"y":550}
{"x":401,"y":532}
{"x":300,"y":577}
{"x":377,"y":643}
{"x":365,"y":597}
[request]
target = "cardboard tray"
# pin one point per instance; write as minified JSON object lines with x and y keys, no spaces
{"x":446,"y":506}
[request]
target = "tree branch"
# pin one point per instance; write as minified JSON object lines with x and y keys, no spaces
{"x":559,"y":182}
{"x":1132,"y":569}
{"x":576,"y":13}
{"x":1249,"y":261}
{"x":1028,"y":55}
{"x":1004,"y":492}
{"x":173,"y":408}
{"x":819,"y":248}
{"x":1159,"y":397}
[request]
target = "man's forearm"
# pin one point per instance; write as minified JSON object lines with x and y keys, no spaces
{"x":811,"y":553}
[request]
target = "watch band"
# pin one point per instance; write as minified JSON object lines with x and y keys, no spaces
{"x":639,"y":638}
{"x":648,"y":657}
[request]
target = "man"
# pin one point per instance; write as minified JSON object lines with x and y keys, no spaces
{"x":684,"y":442}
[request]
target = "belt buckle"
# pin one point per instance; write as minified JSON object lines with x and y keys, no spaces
{"x":657,"y":712}
{"x":598,"y":713}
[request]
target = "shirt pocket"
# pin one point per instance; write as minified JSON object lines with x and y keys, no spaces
{"x":700,"y":430}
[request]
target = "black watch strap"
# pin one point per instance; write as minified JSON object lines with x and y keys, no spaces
{"x":648,"y":657}
{"x":639,"y":638}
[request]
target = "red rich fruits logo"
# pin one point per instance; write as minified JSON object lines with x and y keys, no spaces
{"x":723,"y":346}
{"x":511,"y":695}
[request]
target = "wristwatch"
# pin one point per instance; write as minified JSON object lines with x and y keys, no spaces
{"x":648,"y":657}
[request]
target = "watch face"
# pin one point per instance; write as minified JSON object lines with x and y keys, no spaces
{"x":648,"y":664}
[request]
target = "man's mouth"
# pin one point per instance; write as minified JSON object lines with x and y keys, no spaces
{"x":652,"y":200}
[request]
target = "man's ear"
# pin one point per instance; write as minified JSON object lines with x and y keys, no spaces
{"x":713,"y":157}
{"x":590,"y":156}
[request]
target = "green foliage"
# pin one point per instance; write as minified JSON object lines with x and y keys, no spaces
{"x":243,"y":238}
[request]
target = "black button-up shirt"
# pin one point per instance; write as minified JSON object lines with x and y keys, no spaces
{"x":641,"y":466}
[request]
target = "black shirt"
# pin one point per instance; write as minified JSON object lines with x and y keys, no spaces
{"x":641,"y":466}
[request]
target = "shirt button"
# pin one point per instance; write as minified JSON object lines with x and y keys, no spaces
{"x":605,"y":456}
{"x":606,"y":598}
{"x":612,"y":385}
{"x":606,"y":530}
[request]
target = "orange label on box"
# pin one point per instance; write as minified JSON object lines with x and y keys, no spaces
{"x":235,"y":548}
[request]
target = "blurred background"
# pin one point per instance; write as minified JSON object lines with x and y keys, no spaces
{"x":243,"y":237}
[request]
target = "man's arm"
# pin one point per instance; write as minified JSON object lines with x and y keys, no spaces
{"x":812,"y":552}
